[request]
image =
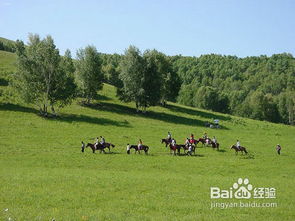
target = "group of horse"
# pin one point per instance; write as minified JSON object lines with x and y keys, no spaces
{"x":186,"y":148}
{"x":175,"y":149}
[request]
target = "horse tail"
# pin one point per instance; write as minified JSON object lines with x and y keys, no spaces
{"x":245,"y":150}
{"x":112,"y":145}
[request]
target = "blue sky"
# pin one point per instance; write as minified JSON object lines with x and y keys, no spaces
{"x":231,"y":27}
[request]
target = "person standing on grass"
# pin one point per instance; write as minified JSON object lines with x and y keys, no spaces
{"x":278,"y":148}
{"x":187,"y":142}
{"x":82,"y":147}
{"x":128,"y":148}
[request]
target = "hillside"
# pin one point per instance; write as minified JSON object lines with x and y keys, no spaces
{"x":44,"y":175}
{"x":7,"y":61}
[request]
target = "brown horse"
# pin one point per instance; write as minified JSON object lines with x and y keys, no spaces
{"x":175,"y":147}
{"x":166,"y":141}
{"x":242,"y":149}
{"x":143,"y":147}
{"x":207,"y":141}
{"x":215,"y":145}
{"x":98,"y":147}
{"x":202,"y":140}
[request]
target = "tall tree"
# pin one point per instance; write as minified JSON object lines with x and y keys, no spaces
{"x":40,"y":77}
{"x":132,"y":74}
{"x":88,"y":72}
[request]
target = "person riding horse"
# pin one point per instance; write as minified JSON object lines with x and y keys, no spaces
{"x":96,"y":142}
{"x":102,"y":140}
{"x":139,"y":144}
{"x":169,"y":136}
{"x":238,"y":144}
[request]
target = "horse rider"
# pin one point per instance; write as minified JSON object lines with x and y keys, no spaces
{"x":83,"y":146}
{"x":102,"y":140}
{"x":169,"y":136}
{"x":192,"y":140}
{"x":173,"y":142}
{"x":238,"y":144}
{"x":214,"y":140}
{"x":139,"y":144}
{"x":205,"y":136}
{"x":278,"y":147}
{"x":96,"y":142}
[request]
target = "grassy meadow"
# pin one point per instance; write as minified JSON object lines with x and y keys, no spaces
{"x":44,"y":175}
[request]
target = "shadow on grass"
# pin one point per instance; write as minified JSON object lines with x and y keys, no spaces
{"x":18,"y":108}
{"x":186,"y":155}
{"x":222,"y":151}
{"x":170,"y":118}
{"x":203,"y":114}
{"x":102,"y":97}
{"x":69,"y":118}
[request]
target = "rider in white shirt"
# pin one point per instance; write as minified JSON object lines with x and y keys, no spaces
{"x":102,"y":140}
{"x":238,"y":144}
{"x":169,"y":136}
{"x":173,"y":142}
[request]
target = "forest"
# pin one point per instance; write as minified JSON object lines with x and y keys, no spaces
{"x":257,"y":87}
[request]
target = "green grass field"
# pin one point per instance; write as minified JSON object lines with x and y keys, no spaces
{"x":45,"y":176}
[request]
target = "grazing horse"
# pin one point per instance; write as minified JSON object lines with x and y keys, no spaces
{"x":143,"y":147}
{"x":98,"y":147}
{"x":215,"y":145}
{"x":166,"y":141}
{"x":242,"y":149}
{"x":109,"y":145}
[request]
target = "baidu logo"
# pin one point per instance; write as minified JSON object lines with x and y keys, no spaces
{"x":242,"y":189}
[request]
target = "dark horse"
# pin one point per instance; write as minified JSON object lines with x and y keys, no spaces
{"x":215,"y":145}
{"x":135,"y":147}
{"x":166,"y":141}
{"x":109,"y":145}
{"x":204,"y":141}
{"x":99,"y":146}
{"x":175,"y":147}
{"x":242,"y":149}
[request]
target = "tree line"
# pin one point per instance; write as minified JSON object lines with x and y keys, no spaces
{"x":256,"y":87}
